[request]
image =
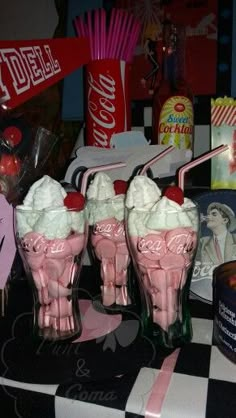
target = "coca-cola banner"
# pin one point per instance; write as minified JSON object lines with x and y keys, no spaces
{"x":31,"y":66}
{"x":108,"y":108}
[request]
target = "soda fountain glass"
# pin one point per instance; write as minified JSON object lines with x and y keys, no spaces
{"x":53,"y":268}
{"x":163,"y":259}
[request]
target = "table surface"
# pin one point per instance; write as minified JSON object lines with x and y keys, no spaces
{"x":203,"y":382}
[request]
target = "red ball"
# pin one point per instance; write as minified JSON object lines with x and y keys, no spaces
{"x":10,"y":165}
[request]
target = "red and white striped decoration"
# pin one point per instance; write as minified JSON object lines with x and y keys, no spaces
{"x":223,"y":114}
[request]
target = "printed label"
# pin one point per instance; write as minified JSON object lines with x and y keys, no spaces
{"x":176,"y":123}
{"x":107,"y":101}
{"x":110,"y":230}
{"x":226,"y":323}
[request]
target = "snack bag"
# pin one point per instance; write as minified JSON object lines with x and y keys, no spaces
{"x":223,"y":130}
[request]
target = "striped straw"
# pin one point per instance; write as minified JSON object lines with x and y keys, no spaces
{"x":155,"y":159}
{"x":197,"y":161}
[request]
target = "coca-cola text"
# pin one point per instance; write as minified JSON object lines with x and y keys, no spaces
{"x":157,"y":246}
{"x":101,"y":107}
{"x":109,"y":230}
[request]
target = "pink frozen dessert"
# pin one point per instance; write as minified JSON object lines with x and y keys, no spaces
{"x":105,"y":211}
{"x":52,"y":237}
{"x":162,"y":233}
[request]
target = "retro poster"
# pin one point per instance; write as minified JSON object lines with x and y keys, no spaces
{"x":217,"y":240}
{"x":200,"y":21}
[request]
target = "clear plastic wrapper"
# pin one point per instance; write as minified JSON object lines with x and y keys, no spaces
{"x":18,"y":172}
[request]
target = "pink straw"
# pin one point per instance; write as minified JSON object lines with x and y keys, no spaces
{"x":110,"y":30}
{"x":103,"y":34}
{"x":118,"y":42}
{"x":123,"y":33}
{"x":115,"y":34}
{"x":197,"y":161}
{"x":96,"y":35}
{"x":124,"y":46}
{"x":96,"y":170}
{"x":132,"y":42}
{"x":155,"y":159}
{"x":90,"y":34}
{"x":80,"y":26}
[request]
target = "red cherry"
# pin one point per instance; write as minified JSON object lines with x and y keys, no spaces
{"x":75,"y":201}
{"x":174,"y":193}
{"x":10,"y":165}
{"x":120,"y":186}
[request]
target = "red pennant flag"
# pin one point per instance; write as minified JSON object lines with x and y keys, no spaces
{"x":29,"y":67}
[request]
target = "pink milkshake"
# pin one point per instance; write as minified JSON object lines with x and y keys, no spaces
{"x":105,"y":211}
{"x":51,"y":236}
{"x":162,"y":232}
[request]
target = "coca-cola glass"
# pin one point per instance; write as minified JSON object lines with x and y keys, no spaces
{"x":53,"y":267}
{"x":108,"y":108}
{"x":163,"y":258}
{"x":111,"y":259}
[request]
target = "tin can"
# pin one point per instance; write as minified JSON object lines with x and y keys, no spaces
{"x":224,"y":304}
{"x":108,"y":109}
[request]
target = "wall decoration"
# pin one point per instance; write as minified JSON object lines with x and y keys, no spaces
{"x":200,"y":20}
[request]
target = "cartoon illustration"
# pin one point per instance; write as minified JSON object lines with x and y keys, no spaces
{"x":150,"y":38}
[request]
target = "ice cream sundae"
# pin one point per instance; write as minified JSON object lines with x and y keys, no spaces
{"x":105,"y":212}
{"x":162,"y":231}
{"x":51,"y":235}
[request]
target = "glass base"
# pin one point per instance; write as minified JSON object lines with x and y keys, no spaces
{"x":177,"y":335}
{"x":115,"y":308}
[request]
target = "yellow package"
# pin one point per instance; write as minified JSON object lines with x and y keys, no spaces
{"x":223,"y":131}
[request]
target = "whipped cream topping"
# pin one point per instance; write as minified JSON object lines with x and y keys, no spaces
{"x":43,"y":211}
{"x":45,"y":193}
{"x":148,"y":211}
{"x":54,"y":223}
{"x":101,"y":187}
{"x":142,"y":193}
{"x":137,"y":223}
{"x":103,"y":203}
{"x":98,"y":210}
{"x":167,"y":214}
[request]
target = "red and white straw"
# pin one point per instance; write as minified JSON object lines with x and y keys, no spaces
{"x":115,"y":38}
{"x":183,"y":170}
{"x":97,"y":169}
{"x":155,"y":159}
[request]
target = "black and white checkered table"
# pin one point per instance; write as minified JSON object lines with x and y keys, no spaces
{"x":203,"y":384}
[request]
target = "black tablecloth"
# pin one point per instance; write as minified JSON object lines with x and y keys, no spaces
{"x":112,"y":376}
